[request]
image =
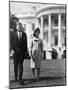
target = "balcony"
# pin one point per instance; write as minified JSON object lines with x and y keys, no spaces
{"x":54,"y":26}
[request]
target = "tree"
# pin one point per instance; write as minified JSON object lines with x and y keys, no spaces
{"x":13,"y":21}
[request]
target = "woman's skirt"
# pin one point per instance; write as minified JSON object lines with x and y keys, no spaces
{"x":37,"y":58}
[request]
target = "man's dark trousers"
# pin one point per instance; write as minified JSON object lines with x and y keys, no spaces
{"x":20,"y":49}
{"x":18,"y":65}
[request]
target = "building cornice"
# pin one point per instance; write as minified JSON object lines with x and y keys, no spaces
{"x":50,"y":9}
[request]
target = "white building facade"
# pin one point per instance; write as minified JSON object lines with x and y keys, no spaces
{"x":29,"y":23}
{"x":52,"y":23}
{"x":51,"y":19}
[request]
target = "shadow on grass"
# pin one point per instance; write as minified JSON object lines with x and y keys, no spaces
{"x":29,"y":81}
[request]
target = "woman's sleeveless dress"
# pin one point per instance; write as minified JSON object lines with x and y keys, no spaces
{"x":37,"y":49}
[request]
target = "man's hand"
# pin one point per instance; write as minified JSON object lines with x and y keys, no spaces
{"x":12,"y":53}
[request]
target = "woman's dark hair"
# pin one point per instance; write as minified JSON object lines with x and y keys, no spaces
{"x":37,"y":29}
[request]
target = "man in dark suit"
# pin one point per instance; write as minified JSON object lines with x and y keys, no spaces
{"x":19,"y":46}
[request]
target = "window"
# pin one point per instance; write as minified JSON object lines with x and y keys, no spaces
{"x":54,"y":18}
{"x":33,"y":26}
{"x":56,"y":22}
{"x":45,"y":22}
{"x":63,"y":20}
{"x":56,"y":39}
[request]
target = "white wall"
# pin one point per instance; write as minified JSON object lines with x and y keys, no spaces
{"x":29,"y":31}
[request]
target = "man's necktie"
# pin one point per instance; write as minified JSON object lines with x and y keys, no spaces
{"x":19,"y":35}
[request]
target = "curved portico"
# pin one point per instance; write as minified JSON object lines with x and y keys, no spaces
{"x":51,"y":20}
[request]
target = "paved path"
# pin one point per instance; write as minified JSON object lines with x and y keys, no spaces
{"x":52,"y":73}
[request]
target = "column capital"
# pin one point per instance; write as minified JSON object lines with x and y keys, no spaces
{"x":49,"y":14}
{"x":59,"y":13}
{"x":42,"y":27}
{"x":41,"y":17}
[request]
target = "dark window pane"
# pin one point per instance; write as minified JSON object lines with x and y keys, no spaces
{"x":56,"y":39}
{"x":33,"y":26}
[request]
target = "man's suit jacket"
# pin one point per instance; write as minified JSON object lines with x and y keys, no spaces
{"x":19,"y":46}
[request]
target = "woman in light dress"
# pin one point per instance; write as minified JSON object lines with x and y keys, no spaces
{"x":36,"y":53}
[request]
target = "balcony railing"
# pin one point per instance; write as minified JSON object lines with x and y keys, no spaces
{"x":54,"y":26}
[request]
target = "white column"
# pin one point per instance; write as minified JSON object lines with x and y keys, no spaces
{"x":28,"y":32}
{"x":59,"y":30}
{"x":37,"y":23}
{"x":49,"y":31}
{"x":41,"y":29}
